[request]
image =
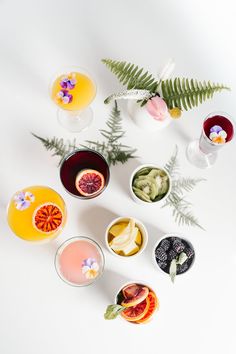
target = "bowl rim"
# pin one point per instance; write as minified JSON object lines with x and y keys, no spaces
{"x":139,"y":224}
{"x":138,"y":282}
{"x":140,"y":201}
{"x":172,"y":234}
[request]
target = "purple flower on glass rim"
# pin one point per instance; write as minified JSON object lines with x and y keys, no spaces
{"x":23,"y":200}
{"x":90,"y":268}
{"x":68,"y":82}
{"x":64,"y":96}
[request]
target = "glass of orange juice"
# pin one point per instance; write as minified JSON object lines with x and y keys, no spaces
{"x":36,"y":213}
{"x":73,"y":90}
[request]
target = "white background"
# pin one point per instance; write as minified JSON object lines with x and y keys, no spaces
{"x":39,"y":313}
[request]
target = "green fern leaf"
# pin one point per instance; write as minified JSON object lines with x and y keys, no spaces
{"x":186,"y":94}
{"x":131,"y":76}
{"x":182,"y":185}
{"x":172,"y":166}
{"x":58,"y":146}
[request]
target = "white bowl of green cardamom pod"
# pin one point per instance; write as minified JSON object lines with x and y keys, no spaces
{"x":150,"y":184}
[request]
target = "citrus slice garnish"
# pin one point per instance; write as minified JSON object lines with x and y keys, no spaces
{"x":135,"y":313}
{"x":153,"y":306}
{"x":89,"y":182}
{"x":47,"y":218}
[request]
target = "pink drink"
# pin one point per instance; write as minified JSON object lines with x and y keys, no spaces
{"x":79,"y":261}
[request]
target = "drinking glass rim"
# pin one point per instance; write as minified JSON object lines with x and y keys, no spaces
{"x":71,"y":240}
{"x":78,"y":69}
{"x":223,"y":114}
{"x":96,"y":153}
{"x":47,"y":239}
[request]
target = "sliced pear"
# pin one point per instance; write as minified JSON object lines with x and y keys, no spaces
{"x":125,"y":241}
{"x":117,"y":229}
{"x":139,"y":238}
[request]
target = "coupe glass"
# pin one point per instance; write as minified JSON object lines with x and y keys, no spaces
{"x":36,"y":213}
{"x":73,"y":90}
{"x":203,"y":152}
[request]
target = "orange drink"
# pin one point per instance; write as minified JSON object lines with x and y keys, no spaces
{"x":36,"y":213}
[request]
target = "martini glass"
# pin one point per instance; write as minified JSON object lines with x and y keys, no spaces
{"x":73,"y":90}
{"x":203,"y":152}
{"x":36,"y":213}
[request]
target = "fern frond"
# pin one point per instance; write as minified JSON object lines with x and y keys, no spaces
{"x":183,"y":216}
{"x":172,"y":166}
{"x":185,"y":184}
{"x":131,"y":75}
{"x":181,"y":210}
{"x":112,"y":150}
{"x":188,"y":93}
{"x":58,"y":146}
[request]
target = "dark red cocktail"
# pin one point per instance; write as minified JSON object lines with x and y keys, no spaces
{"x":84,"y":173}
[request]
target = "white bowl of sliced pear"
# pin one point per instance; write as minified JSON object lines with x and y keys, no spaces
{"x":126,"y":237}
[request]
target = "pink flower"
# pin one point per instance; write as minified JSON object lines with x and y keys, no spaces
{"x":157,"y":108}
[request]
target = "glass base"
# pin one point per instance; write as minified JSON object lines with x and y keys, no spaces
{"x":197,"y":158}
{"x":75,"y":121}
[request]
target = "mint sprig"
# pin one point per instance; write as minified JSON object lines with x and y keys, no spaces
{"x":113,"y":311}
{"x":173,"y":265}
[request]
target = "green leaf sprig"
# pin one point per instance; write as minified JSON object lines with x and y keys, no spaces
{"x":180,"y":259}
{"x":113,"y":311}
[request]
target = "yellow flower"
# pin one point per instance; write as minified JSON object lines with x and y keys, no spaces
{"x":175,"y":112}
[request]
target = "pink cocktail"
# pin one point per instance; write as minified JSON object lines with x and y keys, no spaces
{"x":79,"y":261}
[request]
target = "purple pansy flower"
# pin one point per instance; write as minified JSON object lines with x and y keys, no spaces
{"x":217,"y":134}
{"x":68,"y":82}
{"x":90,"y":268}
{"x":23,"y":200}
{"x":64,"y":96}
{"x":216,"y":129}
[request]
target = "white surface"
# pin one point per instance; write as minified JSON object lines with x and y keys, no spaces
{"x":39,"y":313}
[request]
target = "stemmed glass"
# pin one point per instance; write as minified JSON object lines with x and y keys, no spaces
{"x":72,"y":90}
{"x":203,"y":152}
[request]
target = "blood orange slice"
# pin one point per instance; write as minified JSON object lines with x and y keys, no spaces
{"x":135,"y":313}
{"x":153,"y":305}
{"x":47,"y":218}
{"x":140,"y":295}
{"x":89,"y":182}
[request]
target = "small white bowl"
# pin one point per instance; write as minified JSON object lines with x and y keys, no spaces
{"x":173,"y":234}
{"x":139,"y":283}
{"x":142,"y":229}
{"x":140,"y":201}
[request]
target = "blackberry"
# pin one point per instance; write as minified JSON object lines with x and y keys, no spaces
{"x":182,"y":268}
{"x":171,"y":255}
{"x":165,"y":244}
{"x":178,"y":246}
{"x":160,"y":254}
{"x":162,"y":265}
{"x":189,"y":252}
